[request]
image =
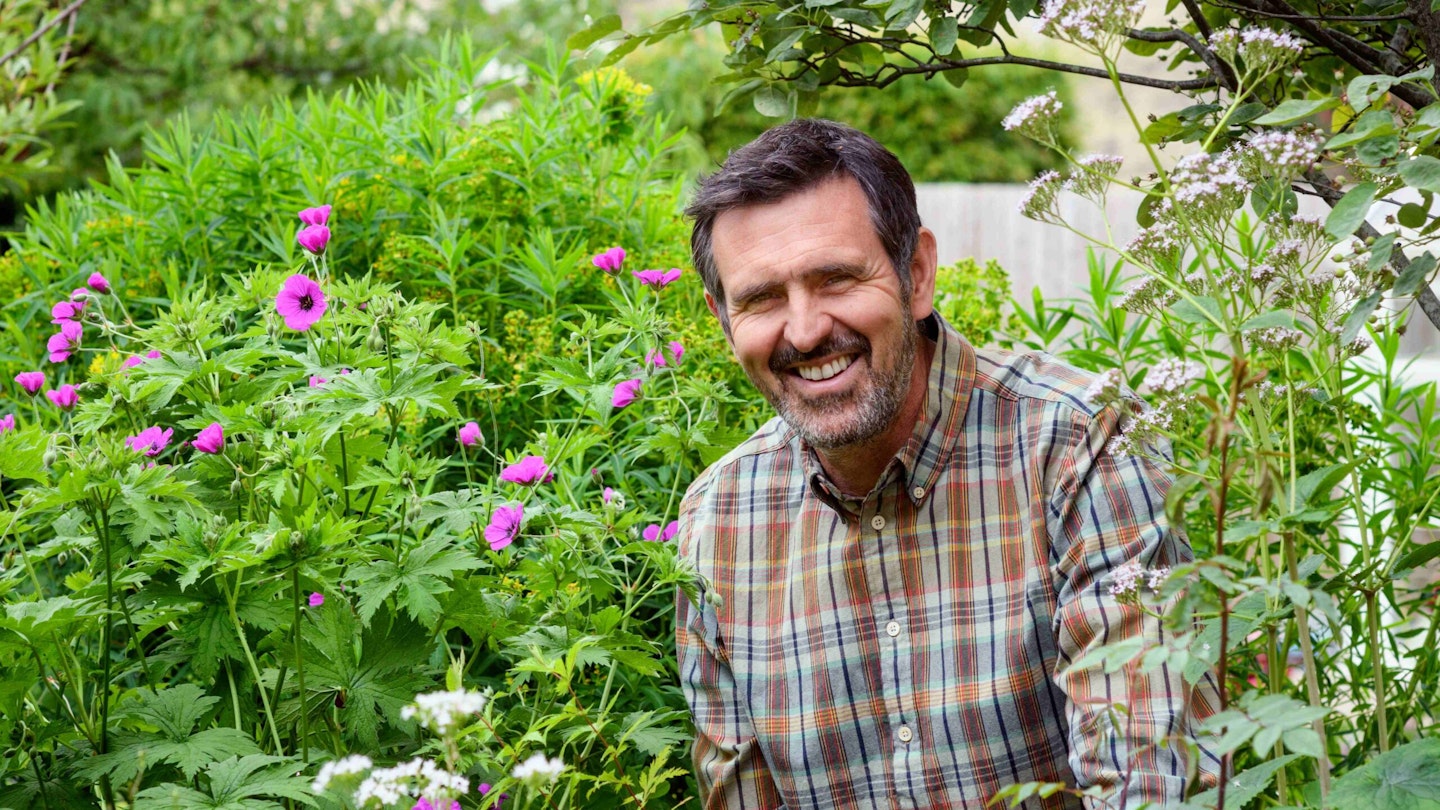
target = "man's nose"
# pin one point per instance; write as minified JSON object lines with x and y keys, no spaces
{"x":807,"y":326}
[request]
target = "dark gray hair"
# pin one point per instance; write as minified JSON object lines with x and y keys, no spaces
{"x":794,"y":157}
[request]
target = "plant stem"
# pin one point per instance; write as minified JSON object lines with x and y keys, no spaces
{"x":1312,"y":677}
{"x":230,"y":597}
{"x":1372,"y":617}
{"x":345,"y":471}
{"x":102,"y":523}
{"x":300,"y":665}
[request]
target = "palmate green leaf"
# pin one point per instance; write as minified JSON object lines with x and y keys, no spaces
{"x":174,"y":712}
{"x":416,"y":579}
{"x":238,"y":783}
{"x":651,"y":732}
{"x":364,"y":392}
{"x":376,"y":676}
{"x":22,"y":453}
{"x":1246,"y":785}
{"x":1404,"y":778}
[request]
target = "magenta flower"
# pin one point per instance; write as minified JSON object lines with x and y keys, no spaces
{"x":505,"y":525}
{"x":314,"y":238}
{"x":676,"y":350}
{"x":135,"y":359}
{"x":150,"y":441}
{"x":610,"y":260}
{"x":317,"y":599}
{"x":97,"y":283}
{"x":66,"y":341}
{"x":211,"y":439}
{"x":470,"y":434}
{"x":65,"y":311}
{"x":654,"y":533}
{"x":607,"y":495}
{"x":625,"y":393}
{"x":65,"y":397}
{"x":527,"y":472}
{"x":316,"y":382}
{"x":31,"y":381}
{"x":658,"y":279}
{"x":7,"y":422}
{"x":655,"y":358}
{"x":300,"y":302}
{"x":319,"y":215}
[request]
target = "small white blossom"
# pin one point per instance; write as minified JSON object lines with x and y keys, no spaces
{"x":1208,"y":188}
{"x":1147,"y":296}
{"x":1105,"y":388}
{"x":1263,"y":49}
{"x":1093,"y":174}
{"x":440,"y":711}
{"x":1143,"y":428}
{"x":1039,"y":202}
{"x":1172,"y":376}
{"x":1127,"y":580}
{"x":1035,"y":117}
{"x":409,"y":781}
{"x":1097,"y":25}
{"x":1277,"y":338}
{"x":1284,"y":152}
{"x":1157,"y":246}
{"x":346,"y":766}
{"x":538,"y":770}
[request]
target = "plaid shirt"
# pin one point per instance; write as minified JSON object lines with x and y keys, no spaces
{"x":913,"y":649}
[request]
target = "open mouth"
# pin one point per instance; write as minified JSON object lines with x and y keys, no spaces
{"x":825,"y":371}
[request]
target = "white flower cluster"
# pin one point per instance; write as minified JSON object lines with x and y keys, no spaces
{"x":1039,"y":202}
{"x":1143,"y":428}
{"x":440,"y":711}
{"x":1157,"y":246}
{"x":413,"y":780}
{"x":1171,"y":376}
{"x":1147,"y":296}
{"x":1264,"y":50}
{"x":1284,"y":152}
{"x":1208,"y":188}
{"x":1093,"y":174}
{"x":1126,"y":581}
{"x":538,"y":770}
{"x":1097,"y":25}
{"x":1277,"y":338}
{"x":337,"y":768}
{"x":1035,"y":117}
{"x":1105,"y":388}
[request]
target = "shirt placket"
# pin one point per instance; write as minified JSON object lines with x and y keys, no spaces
{"x":882,"y":539}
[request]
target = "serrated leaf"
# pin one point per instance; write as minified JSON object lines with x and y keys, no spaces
{"x":1403,"y":778}
{"x":1350,"y":211}
{"x":602,"y":27}
{"x":421,"y":574}
{"x":1296,"y":109}
{"x":1246,"y":785}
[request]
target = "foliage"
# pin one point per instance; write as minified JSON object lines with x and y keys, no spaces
{"x":942,"y":133}
{"x":187,"y":628}
{"x":976,"y":300}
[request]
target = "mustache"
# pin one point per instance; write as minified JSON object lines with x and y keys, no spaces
{"x":786,"y":355}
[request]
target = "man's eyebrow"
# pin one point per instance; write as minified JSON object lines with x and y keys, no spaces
{"x":746,"y":294}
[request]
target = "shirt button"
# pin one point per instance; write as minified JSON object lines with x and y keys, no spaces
{"x":878,"y":522}
{"x":892,"y":629}
{"x":918,"y":492}
{"x":905,"y":734}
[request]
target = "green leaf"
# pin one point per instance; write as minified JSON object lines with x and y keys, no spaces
{"x":1246,"y":785}
{"x":1350,"y":212}
{"x":420,"y":575}
{"x":1404,"y":778}
{"x":22,"y":453}
{"x":1303,"y":741}
{"x":1318,"y":482}
{"x":1266,"y":320}
{"x":598,"y":30}
{"x":1422,"y":172}
{"x":1200,"y":309}
{"x":1296,"y":109}
{"x":772,"y":102}
{"x":1418,"y":556}
{"x":1412,"y":215}
{"x":1355,"y":321}
{"x":1416,"y":273}
{"x":944,"y":30}
{"x":956,"y":77}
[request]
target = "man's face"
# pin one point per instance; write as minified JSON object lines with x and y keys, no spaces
{"x":818,"y":318}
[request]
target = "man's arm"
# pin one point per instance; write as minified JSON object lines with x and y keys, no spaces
{"x":729,"y":766}
{"x":1108,"y":511}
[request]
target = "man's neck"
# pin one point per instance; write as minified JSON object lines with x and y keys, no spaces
{"x":855,"y":468}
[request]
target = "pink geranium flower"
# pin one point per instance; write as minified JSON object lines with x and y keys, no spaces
{"x":65,"y":397}
{"x":150,"y":441}
{"x":625,"y":393}
{"x":97,"y":283}
{"x":63,"y":343}
{"x":654,"y":533}
{"x":527,"y":472}
{"x":610,"y":260}
{"x":655,"y":358}
{"x":314,"y":238}
{"x":7,"y":422}
{"x":470,"y":434}
{"x":504,"y":525}
{"x":31,"y":381}
{"x":317,"y":599}
{"x":135,"y":359}
{"x":211,"y":439}
{"x":65,"y":311}
{"x":319,"y":215}
{"x":656,"y":278}
{"x":607,"y":495}
{"x":676,"y":350}
{"x":300,"y":302}
{"x":316,"y":382}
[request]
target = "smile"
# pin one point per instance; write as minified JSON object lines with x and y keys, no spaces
{"x":825,"y":371}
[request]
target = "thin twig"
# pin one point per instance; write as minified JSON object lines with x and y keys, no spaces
{"x":65,"y":51}
{"x":40,"y":32}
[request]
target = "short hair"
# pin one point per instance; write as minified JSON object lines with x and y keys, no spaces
{"x":797,"y":156}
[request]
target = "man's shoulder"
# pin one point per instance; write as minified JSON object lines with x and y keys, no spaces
{"x":1034,"y":377}
{"x":772,"y":439}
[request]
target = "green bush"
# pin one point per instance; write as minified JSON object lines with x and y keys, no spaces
{"x":186,"y":629}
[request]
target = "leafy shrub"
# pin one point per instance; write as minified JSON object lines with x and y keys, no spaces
{"x":975,"y":300}
{"x":189,"y":628}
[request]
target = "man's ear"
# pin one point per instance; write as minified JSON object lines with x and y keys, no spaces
{"x":724,"y":321}
{"x":923,"y":266}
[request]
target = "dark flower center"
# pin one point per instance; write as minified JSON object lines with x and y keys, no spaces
{"x":306,"y":302}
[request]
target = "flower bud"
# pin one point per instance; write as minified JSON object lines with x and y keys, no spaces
{"x":228,"y":324}
{"x":413,"y":514}
{"x":376,"y":342}
{"x":62,"y":558}
{"x":51,"y":456}
{"x":714,"y":600}
{"x":237,"y":488}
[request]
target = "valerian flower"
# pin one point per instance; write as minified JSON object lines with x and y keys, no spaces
{"x":300,"y":302}
{"x":1263,"y":49}
{"x":97,"y":283}
{"x":1105,"y":388}
{"x":65,"y":397}
{"x":1039,"y":202}
{"x":1096,"y":25}
{"x":314,"y":238}
{"x":658,"y":279}
{"x":1147,"y":296}
{"x":538,"y":770}
{"x":504,"y":526}
{"x":415,"y":779}
{"x":319,"y":215}
{"x":1092,"y":175}
{"x":64,"y":343}
{"x":470,"y":434}
{"x":1127,"y":581}
{"x":150,"y":441}
{"x":528,"y":471}
{"x":1172,"y":376}
{"x":1157,"y":246}
{"x":1276,"y":338}
{"x":1037,"y":118}
{"x":625,"y":393}
{"x":1208,"y":188}
{"x":1284,"y":152}
{"x":655,"y":534}
{"x":443,"y":711}
{"x":31,"y":381}
{"x":609,"y":260}
{"x":338,"y":768}
{"x":211,"y":439}
{"x":7,"y":422}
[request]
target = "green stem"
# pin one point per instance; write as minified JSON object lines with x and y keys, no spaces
{"x":101,"y":521}
{"x":300,"y":665}
{"x":231,"y":595}
{"x":1378,"y":662}
{"x":1312,"y":676}
{"x":345,"y":472}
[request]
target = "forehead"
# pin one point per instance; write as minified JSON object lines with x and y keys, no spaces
{"x":827,"y":224}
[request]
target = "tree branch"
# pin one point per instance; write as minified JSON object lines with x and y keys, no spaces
{"x":941,"y":65}
{"x":1217,"y":65}
{"x":40,"y":32}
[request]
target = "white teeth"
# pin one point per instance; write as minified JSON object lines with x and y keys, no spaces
{"x":825,"y":372}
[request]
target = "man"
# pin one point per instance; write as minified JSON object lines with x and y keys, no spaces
{"x":898,"y":572}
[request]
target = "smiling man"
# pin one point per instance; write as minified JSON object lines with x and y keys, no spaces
{"x":898,"y":573}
